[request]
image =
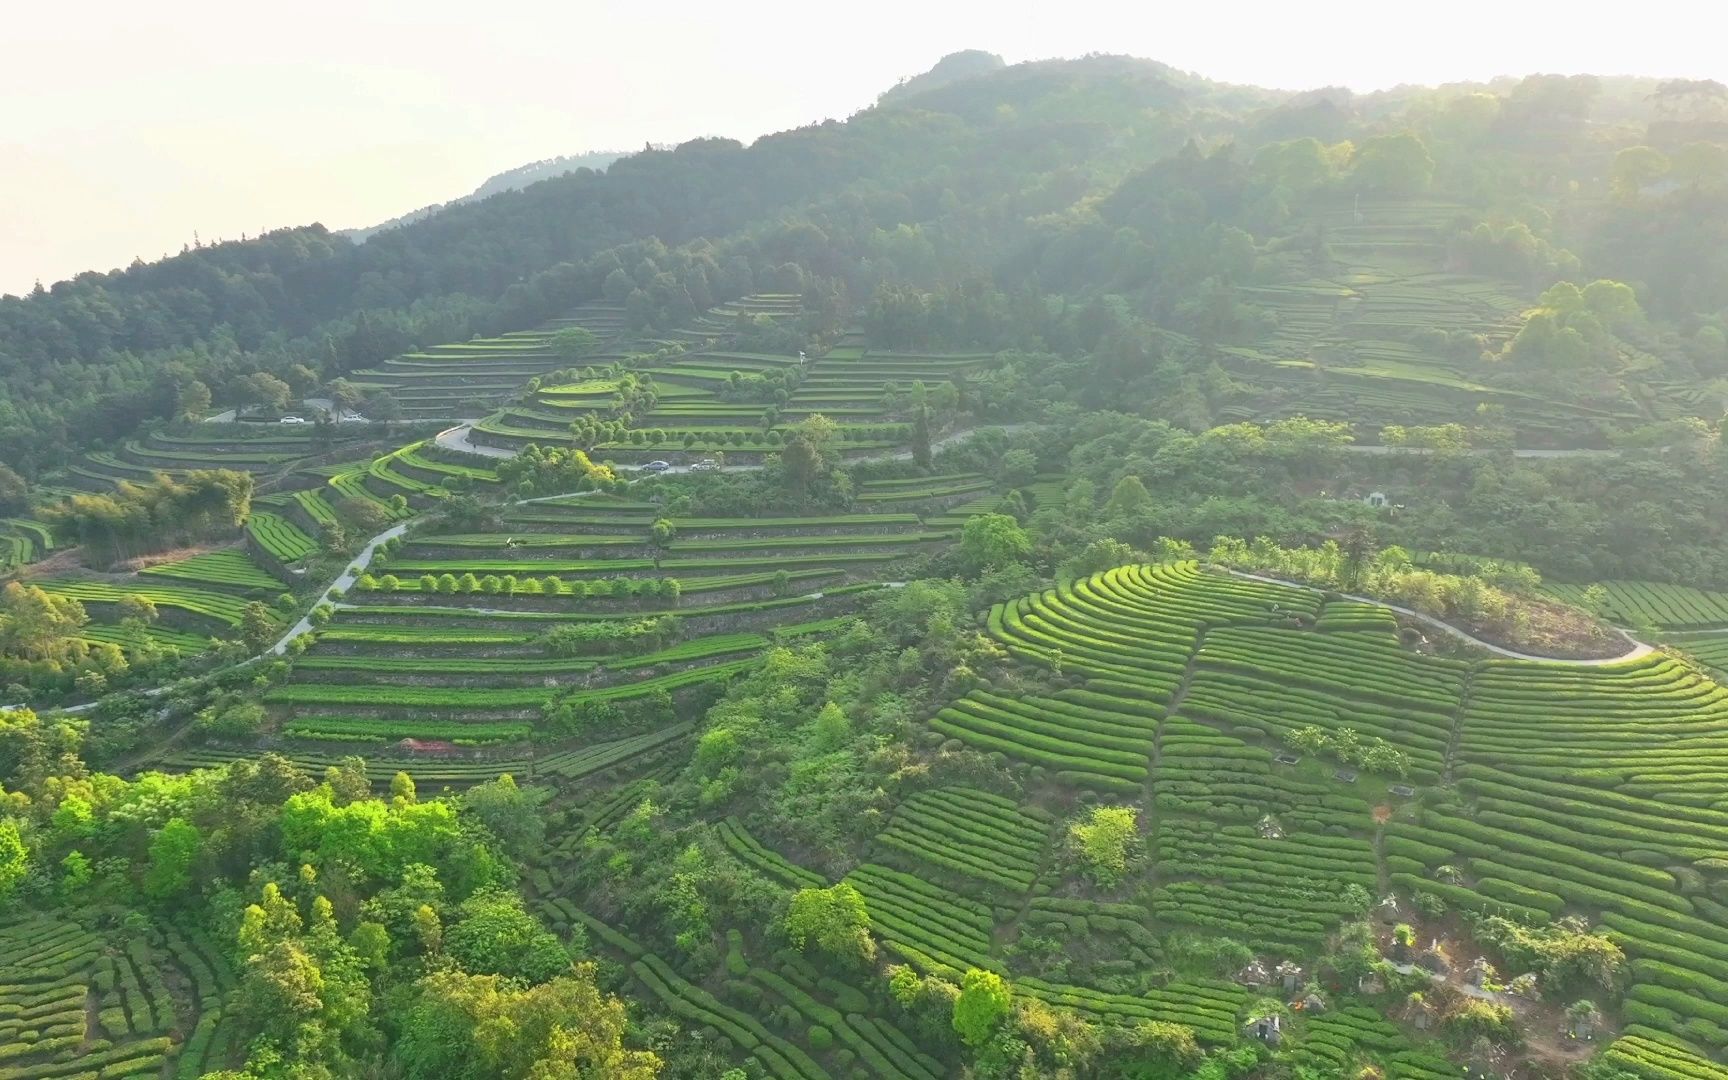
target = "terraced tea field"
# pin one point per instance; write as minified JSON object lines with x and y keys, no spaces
{"x":1345,"y":346}
{"x":1653,"y":604}
{"x":453,"y":638}
{"x":1593,"y":791}
{"x":1709,"y":649}
{"x":270,"y":452}
{"x":396,"y":485}
{"x":279,"y":537}
{"x":23,"y":540}
{"x":196,"y":608}
{"x":78,"y":1003}
{"x":1583,"y":790}
{"x":464,"y":379}
{"x":698,"y":409}
{"x":197,"y":598}
{"x":479,"y":639}
{"x":470,"y":379}
{"x":1569,"y":773}
{"x":228,"y":569}
{"x":1287,"y":756}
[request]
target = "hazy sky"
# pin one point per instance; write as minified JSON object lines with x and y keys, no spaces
{"x":125,"y":127}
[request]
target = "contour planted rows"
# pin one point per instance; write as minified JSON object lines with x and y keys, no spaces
{"x":474,"y":639}
{"x":1651,"y":603}
{"x":263,"y":448}
{"x":742,"y":404}
{"x":462,"y":379}
{"x":1587,"y":790}
{"x":970,"y":832}
{"x":207,"y":608}
{"x":1392,"y":275}
{"x":77,"y":1003}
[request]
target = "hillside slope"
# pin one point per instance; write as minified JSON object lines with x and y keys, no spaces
{"x":1042,"y":579}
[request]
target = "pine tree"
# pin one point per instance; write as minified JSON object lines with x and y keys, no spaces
{"x":921,"y":437}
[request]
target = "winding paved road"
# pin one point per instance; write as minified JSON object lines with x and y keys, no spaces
{"x":356,"y":567}
{"x":1639,"y":649}
{"x":456,"y":438}
{"x":1579,"y":452}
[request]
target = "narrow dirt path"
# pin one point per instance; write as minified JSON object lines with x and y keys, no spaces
{"x":131,"y":763}
{"x":1638,"y":650}
{"x":1457,"y":732}
{"x":1148,"y":797}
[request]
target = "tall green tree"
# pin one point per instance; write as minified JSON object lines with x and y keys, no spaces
{"x":345,"y":396}
{"x":833,"y":920}
{"x":384,"y":407}
{"x":258,"y":628}
{"x":483,"y":1027}
{"x":991,"y":541}
{"x":509,"y":811}
{"x":1635,"y":167}
{"x":35,"y":624}
{"x":1359,"y":548}
{"x":264,"y":390}
{"x":1393,"y":165}
{"x":14,"y":857}
{"x":495,"y":935}
{"x":282,"y":989}
{"x":192,"y":400}
{"x":983,"y":1004}
{"x":1150,"y":1050}
{"x":573,"y":342}
{"x":173,"y":851}
{"x":1128,"y":498}
{"x":1103,"y":842}
{"x":921,"y":454}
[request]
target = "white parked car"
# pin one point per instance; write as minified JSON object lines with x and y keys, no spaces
{"x":292,"y":420}
{"x":354,"y":418}
{"x":657,"y":466}
{"x":705,"y":465}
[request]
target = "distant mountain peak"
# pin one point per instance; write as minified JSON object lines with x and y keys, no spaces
{"x":953,"y":68}
{"x":509,"y":180}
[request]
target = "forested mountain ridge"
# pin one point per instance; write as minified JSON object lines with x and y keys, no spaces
{"x":951,"y":68}
{"x":510,"y":180}
{"x":970,"y":164}
{"x":285,"y":297}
